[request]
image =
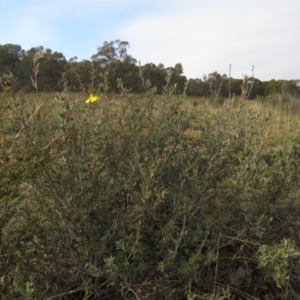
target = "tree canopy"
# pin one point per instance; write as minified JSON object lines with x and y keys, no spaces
{"x":113,"y":58}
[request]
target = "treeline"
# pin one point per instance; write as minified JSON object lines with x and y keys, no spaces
{"x":113,"y":58}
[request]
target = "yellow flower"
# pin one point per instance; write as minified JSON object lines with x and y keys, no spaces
{"x":92,"y":99}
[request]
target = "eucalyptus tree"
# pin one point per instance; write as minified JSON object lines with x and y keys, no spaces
{"x":155,"y":74}
{"x":10,"y":57}
{"x":113,"y":58}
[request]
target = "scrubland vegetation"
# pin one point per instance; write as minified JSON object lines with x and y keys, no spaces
{"x":113,"y":58}
{"x":148,"y":196}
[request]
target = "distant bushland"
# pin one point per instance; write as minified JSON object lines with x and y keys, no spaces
{"x":113,"y":58}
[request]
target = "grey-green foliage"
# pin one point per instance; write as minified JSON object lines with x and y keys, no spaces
{"x":275,"y":259}
{"x":113,"y":199}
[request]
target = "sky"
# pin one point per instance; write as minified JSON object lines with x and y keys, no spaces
{"x":203,"y":35}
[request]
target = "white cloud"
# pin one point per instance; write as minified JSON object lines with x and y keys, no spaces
{"x":233,"y":32}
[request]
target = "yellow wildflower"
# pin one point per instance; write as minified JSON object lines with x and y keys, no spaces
{"x":92,"y":99}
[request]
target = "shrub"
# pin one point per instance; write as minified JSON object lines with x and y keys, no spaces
{"x":114,"y":200}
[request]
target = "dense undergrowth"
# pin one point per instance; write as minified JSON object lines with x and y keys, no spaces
{"x":145,"y":199}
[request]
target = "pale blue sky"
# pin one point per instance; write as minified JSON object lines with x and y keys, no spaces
{"x":204,"y":35}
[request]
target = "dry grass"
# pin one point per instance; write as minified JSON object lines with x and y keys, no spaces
{"x":283,"y":118}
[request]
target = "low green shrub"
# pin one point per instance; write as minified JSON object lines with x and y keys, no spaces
{"x":113,"y":200}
